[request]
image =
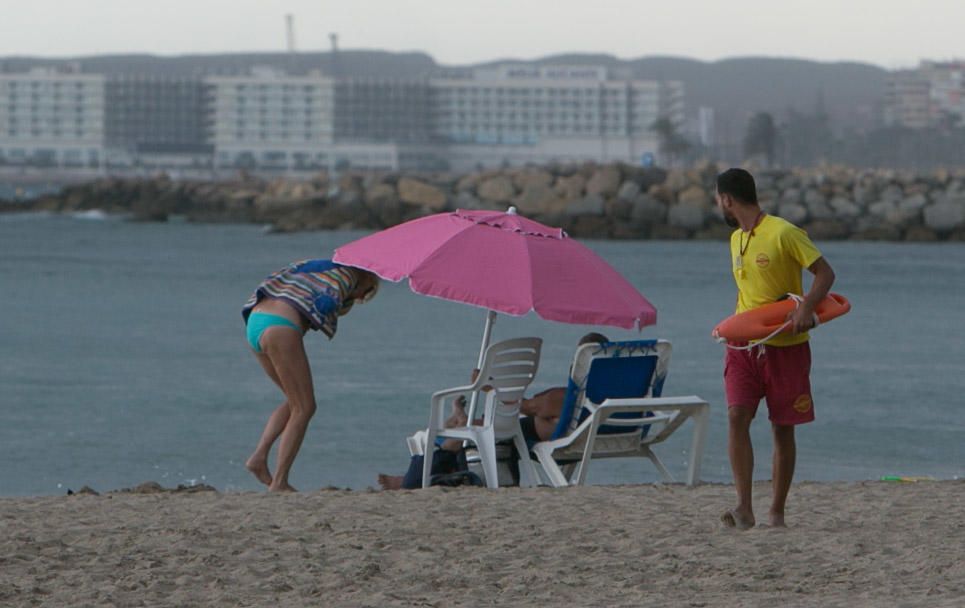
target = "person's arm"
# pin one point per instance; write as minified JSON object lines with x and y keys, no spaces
{"x":802,"y":318}
{"x":546,"y":404}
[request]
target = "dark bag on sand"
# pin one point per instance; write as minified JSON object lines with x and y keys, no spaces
{"x":460,"y":475}
{"x":459,"y":478}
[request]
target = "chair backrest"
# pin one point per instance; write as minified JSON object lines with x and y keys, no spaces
{"x":612,"y":370}
{"x":509,"y":367}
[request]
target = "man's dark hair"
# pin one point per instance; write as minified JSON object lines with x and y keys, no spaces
{"x":593,"y":337}
{"x":739,"y":184}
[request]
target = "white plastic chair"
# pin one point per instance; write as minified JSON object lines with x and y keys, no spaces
{"x":625,"y":380}
{"x":508,"y":368}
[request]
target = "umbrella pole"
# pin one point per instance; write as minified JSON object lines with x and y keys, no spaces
{"x":487,"y":336}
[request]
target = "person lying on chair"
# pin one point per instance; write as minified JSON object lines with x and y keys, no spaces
{"x":541,"y":412}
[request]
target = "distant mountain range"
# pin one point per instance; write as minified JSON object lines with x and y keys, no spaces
{"x":850,"y":93}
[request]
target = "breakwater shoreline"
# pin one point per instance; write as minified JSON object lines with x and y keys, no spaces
{"x":614,"y":201}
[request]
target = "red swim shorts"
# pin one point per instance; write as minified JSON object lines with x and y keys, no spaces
{"x":780,"y":374}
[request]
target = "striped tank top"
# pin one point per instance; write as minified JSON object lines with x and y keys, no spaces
{"x":318,"y":289}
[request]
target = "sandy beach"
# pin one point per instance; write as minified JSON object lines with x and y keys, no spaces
{"x":848,"y":544}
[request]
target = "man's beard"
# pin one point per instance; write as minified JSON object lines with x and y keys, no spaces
{"x":730,"y":220}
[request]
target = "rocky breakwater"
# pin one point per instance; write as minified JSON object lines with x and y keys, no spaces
{"x":589,"y":201}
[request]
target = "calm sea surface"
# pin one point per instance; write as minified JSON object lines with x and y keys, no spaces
{"x":123,"y":359}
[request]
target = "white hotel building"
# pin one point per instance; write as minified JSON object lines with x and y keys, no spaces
{"x":273,"y":121}
{"x":52,"y":118}
{"x":518,"y":114}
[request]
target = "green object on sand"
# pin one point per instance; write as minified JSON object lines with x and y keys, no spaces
{"x":904,"y":478}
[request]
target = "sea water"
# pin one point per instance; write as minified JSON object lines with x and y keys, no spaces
{"x":123,"y":359}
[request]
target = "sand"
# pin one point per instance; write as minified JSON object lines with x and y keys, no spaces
{"x":848,"y":544}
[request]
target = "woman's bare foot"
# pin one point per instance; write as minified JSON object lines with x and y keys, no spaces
{"x":281,"y":488}
{"x":390,"y":482}
{"x":738,"y":518}
{"x":259,"y":468}
{"x":777,"y":520}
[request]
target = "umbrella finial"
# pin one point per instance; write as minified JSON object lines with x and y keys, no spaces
{"x":511,"y":210}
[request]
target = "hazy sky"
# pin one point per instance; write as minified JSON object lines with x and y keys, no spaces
{"x":884,"y":32}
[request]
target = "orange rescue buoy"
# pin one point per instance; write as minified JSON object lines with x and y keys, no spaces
{"x":763,"y":321}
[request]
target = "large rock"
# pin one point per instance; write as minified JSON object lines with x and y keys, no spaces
{"x":415,"y":192}
{"x":648,"y":210}
{"x":661,"y":192}
{"x":791,"y":195}
{"x":945,"y":215}
{"x":629,"y":191}
{"x":793,"y":212}
{"x":570,"y":187}
{"x":498,"y":189}
{"x":676,"y":180}
{"x":379,"y":195}
{"x":908,"y":210}
{"x":814,"y":198}
{"x":538,"y":198}
{"x":591,"y":204}
{"x":844,"y":208}
{"x":688,"y":217}
{"x":469,"y":182}
{"x":820,"y":211}
{"x":532,"y":177}
{"x":892,"y":194}
{"x":605,"y":182}
{"x":694,"y":195}
{"x":883,"y":209}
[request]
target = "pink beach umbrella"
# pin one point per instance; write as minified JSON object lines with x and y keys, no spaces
{"x":505,"y":263}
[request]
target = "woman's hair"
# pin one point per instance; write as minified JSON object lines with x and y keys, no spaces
{"x":374,"y":282}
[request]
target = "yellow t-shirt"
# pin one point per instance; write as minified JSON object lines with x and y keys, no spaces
{"x":774,"y":254}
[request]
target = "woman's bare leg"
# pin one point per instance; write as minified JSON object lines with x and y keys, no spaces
{"x":257,"y":463}
{"x":286,"y":352}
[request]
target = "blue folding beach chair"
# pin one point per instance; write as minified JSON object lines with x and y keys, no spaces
{"x":614,"y":409}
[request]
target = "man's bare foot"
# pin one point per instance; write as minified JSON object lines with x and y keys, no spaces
{"x":736,"y":518}
{"x":259,"y":468}
{"x":281,"y":488}
{"x":390,"y":482}
{"x":777,"y":520}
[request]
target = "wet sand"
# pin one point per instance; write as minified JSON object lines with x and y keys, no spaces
{"x":847,"y":544}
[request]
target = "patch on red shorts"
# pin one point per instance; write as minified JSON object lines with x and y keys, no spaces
{"x":802,"y":404}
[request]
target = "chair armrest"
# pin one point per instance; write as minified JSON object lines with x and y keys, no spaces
{"x":438,"y":402}
{"x":690,"y":406}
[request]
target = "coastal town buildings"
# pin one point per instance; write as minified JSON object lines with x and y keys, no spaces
{"x":266,"y":120}
{"x":52,"y":118}
{"x":931,"y":95}
{"x":156,"y":121}
{"x":516,"y":114}
{"x":271,"y":120}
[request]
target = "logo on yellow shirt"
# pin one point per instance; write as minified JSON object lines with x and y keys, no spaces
{"x":762,"y":260}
